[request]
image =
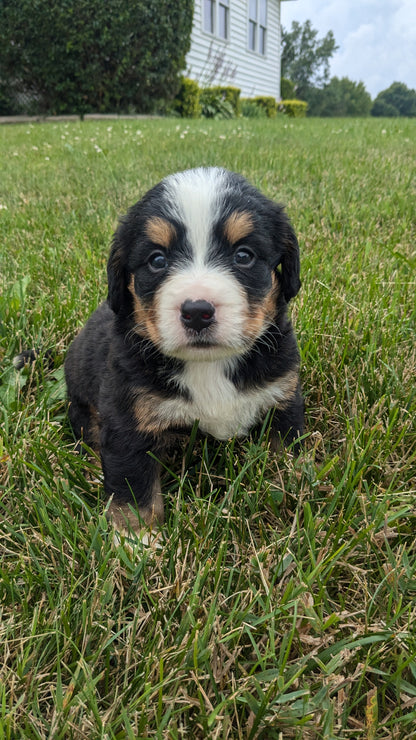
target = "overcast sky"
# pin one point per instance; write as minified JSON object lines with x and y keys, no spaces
{"x":376,"y":38}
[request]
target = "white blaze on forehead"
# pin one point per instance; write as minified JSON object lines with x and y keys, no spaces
{"x":194,"y":199}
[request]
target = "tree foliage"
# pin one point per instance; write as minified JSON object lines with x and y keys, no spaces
{"x":287,"y":89}
{"x":340,"y":97}
{"x":89,"y":55}
{"x":305,"y":58}
{"x":397,"y":100}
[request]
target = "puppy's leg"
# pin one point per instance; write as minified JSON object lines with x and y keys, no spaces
{"x":123,"y":512}
{"x":288,"y":424}
{"x":85,"y":423}
{"x":132,"y":478}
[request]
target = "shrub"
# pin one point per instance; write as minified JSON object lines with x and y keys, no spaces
{"x":287,"y":89}
{"x":214,"y":105}
{"x":7,"y":104}
{"x":187,"y":102}
{"x":75,"y":56}
{"x":294,"y":108}
{"x":230,"y":95}
{"x":268,"y":103}
{"x":250,"y":109}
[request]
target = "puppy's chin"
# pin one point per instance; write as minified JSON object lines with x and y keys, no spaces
{"x":204,"y":352}
{"x":219,"y":343}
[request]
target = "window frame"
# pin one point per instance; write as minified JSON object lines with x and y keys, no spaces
{"x":208,"y":12}
{"x":219,"y":12}
{"x":257,"y":27}
{"x":224,"y":14}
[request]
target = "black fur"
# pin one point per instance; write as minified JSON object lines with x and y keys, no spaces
{"x":117,"y":377}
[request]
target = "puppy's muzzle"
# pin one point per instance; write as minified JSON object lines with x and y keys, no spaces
{"x":197,"y":315}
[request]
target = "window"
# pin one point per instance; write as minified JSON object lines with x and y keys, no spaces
{"x":252,"y":24}
{"x":257,"y":26}
{"x":224,"y":19}
{"x":209,"y":17}
{"x":217,"y":18}
{"x":262,"y":26}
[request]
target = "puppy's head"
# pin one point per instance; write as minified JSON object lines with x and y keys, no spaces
{"x":201,"y":263}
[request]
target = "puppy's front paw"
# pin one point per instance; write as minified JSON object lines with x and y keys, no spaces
{"x":126,"y":519}
{"x":132,"y":529}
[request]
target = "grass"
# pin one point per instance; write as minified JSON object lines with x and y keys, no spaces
{"x":282,"y":603}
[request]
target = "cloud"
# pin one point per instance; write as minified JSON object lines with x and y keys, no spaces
{"x":377,"y":38}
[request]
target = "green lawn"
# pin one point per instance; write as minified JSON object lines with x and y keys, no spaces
{"x":282,"y":602}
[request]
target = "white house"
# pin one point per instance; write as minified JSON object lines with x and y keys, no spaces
{"x":237,"y":42}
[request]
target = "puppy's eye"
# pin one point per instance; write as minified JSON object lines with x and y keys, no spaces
{"x":244,"y":257}
{"x":157,"y":262}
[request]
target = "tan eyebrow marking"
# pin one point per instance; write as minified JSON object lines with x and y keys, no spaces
{"x":238,"y":225}
{"x":160,"y":231}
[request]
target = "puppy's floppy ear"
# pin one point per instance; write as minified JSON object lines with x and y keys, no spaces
{"x":116,"y":274}
{"x":290,"y":264}
{"x":287,"y":244}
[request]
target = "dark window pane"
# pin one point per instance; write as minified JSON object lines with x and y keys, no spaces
{"x":263,"y":12}
{"x":262,"y":40}
{"x":223,"y":31}
{"x":252,"y":27}
{"x":209,"y":16}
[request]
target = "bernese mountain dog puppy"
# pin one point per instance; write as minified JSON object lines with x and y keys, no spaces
{"x":195,"y":328}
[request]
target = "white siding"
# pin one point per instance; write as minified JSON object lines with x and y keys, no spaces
{"x":253,"y":73}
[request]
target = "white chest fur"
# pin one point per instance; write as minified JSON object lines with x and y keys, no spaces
{"x":222,"y":410}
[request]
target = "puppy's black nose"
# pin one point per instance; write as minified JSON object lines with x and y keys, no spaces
{"x":197,"y":315}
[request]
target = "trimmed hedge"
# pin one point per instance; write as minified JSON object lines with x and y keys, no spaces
{"x":229,"y":94}
{"x":294,"y":108}
{"x":214,"y":104}
{"x":77,"y":56}
{"x":225,"y":102}
{"x":188,"y":100}
{"x":250,"y":109}
{"x":211,"y":102}
{"x":268,"y":103}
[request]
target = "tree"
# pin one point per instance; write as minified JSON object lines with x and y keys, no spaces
{"x":340,"y":97}
{"x":397,"y":100}
{"x":287,"y":89}
{"x":89,"y":55}
{"x":305,"y":58}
